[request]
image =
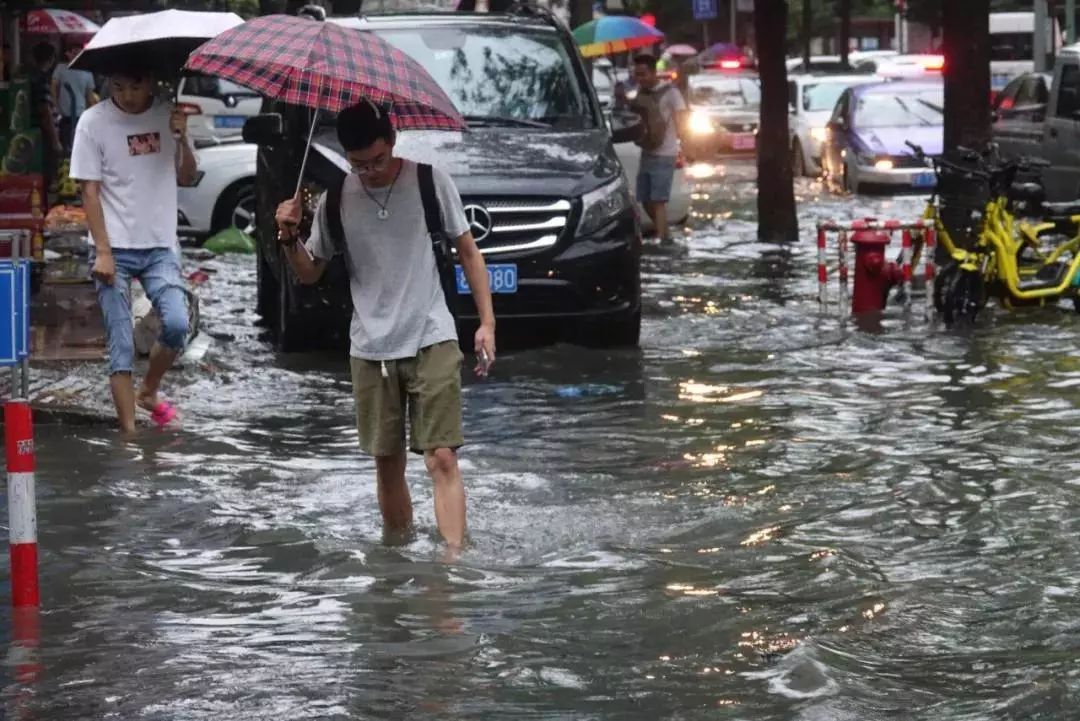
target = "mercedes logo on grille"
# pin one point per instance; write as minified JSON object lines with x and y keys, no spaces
{"x":479,"y":221}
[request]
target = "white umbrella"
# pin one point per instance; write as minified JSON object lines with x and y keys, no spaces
{"x":160,"y":42}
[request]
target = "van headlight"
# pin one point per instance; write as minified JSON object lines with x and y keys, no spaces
{"x":603,"y":205}
{"x":701,"y":123}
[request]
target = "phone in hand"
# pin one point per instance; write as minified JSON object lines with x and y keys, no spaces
{"x":485,"y":363}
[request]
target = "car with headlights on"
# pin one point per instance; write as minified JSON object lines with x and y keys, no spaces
{"x":811,"y":99}
{"x":865,"y":147}
{"x":723,"y":119}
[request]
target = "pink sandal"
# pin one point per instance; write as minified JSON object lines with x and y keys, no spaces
{"x":163,"y":414}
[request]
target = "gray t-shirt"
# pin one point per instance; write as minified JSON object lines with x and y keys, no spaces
{"x":73,"y":88}
{"x":398,"y":303}
{"x":671,"y":104}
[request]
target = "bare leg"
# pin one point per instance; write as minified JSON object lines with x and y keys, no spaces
{"x":394,"y":500}
{"x":123,"y":393}
{"x":442,"y":465}
{"x":659,"y":216}
{"x":161,"y":360}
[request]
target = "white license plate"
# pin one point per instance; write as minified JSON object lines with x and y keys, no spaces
{"x":229,"y":121}
{"x":502,"y":278}
{"x":744,"y":141}
{"x":924,"y":180}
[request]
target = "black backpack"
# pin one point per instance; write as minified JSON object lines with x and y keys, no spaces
{"x":441,"y":243}
{"x":647,"y":105}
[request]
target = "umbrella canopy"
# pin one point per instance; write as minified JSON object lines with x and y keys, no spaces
{"x":160,"y":42}
{"x":615,"y":34}
{"x":324,"y":66}
{"x":681,"y":51}
{"x":58,"y":22}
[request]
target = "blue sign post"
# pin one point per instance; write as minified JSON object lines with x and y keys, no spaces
{"x":705,"y":9}
{"x":15,"y":312}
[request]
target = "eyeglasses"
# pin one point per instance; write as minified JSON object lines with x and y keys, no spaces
{"x":378,"y":165}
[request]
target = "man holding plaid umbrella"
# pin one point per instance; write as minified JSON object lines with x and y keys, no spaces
{"x":404,"y":347}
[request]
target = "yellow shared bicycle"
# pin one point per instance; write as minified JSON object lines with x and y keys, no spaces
{"x":987,"y":252}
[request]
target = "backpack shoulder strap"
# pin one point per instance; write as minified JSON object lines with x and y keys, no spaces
{"x":440,"y":243}
{"x":432,"y":213}
{"x":333,"y":216}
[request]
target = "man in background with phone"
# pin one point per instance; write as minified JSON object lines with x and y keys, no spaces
{"x":404,"y":351}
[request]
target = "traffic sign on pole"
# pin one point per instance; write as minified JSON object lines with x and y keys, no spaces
{"x":705,"y":9}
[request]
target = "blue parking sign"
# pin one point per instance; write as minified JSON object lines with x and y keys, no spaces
{"x":14,"y":312}
{"x":9,"y":324}
{"x":705,"y":9}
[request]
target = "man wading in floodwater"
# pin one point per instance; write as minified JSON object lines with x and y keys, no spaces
{"x":129,"y":153}
{"x":404,"y":346}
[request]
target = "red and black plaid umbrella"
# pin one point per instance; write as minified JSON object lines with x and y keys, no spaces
{"x":327,"y":67}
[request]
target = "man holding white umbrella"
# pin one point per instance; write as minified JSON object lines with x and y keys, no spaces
{"x":129,"y":154}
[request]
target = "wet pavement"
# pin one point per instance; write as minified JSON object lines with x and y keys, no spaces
{"x":764,"y":513}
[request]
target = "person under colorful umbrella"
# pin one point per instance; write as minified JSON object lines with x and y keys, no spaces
{"x":392,"y":221}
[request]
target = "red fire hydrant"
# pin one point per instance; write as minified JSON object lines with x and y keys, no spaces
{"x":874,"y":276}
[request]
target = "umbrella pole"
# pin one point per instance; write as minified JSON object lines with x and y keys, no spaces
{"x":307,"y":152}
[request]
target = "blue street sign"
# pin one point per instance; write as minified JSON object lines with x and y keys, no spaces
{"x":14,"y":312}
{"x":705,"y":9}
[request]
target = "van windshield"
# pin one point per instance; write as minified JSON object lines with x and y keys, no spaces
{"x":500,"y":74}
{"x":1012,"y":46}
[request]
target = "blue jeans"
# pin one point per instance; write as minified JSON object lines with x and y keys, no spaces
{"x":654,"y":178}
{"x":158,"y":269}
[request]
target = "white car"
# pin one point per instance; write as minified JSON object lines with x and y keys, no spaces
{"x":224,"y":191}
{"x":811,"y":100}
{"x":818,"y":64}
{"x":903,"y":67}
{"x":216,"y":108}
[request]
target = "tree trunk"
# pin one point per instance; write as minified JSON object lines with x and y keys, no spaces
{"x":966,"y":37}
{"x":807,"y":30}
{"x":776,"y":194}
{"x":845,"y":31}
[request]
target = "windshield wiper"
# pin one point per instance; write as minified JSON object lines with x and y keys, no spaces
{"x":505,"y":121}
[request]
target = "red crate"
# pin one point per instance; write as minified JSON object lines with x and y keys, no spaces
{"x":22,"y":195}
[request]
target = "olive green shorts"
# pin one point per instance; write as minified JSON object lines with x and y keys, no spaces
{"x":429,"y":386}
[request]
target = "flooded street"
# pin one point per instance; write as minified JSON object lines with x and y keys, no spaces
{"x":765,"y":513}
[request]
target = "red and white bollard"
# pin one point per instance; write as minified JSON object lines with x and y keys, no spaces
{"x":845,"y":234}
{"x":22,"y":507}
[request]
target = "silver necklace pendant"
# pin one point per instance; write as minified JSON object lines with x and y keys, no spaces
{"x":383,"y":213}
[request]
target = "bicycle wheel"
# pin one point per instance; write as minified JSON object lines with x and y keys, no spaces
{"x":964,"y":297}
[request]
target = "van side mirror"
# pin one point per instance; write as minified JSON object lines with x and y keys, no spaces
{"x":265,"y":129}
{"x":626,"y":126}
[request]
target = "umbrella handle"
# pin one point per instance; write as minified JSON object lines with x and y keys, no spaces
{"x":307,"y":152}
{"x":175,"y":102}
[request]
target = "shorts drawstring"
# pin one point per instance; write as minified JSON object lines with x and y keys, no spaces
{"x":382,"y":366}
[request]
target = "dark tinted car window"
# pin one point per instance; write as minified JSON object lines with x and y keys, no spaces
{"x":1069,"y":92}
{"x":500,"y":71}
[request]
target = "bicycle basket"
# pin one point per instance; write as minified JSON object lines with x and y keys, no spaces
{"x":960,"y":189}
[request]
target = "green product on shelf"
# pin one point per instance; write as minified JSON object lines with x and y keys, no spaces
{"x":21,"y":153}
{"x":15,"y":112}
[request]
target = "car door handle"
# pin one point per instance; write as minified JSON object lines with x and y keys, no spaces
{"x":1053,"y":132}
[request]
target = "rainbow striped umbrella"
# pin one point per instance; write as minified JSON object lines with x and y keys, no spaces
{"x":615,"y":34}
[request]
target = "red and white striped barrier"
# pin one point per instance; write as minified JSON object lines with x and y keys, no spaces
{"x":922,"y":229}
{"x":22,"y":507}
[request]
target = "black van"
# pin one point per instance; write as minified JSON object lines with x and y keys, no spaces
{"x":543,"y":188}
